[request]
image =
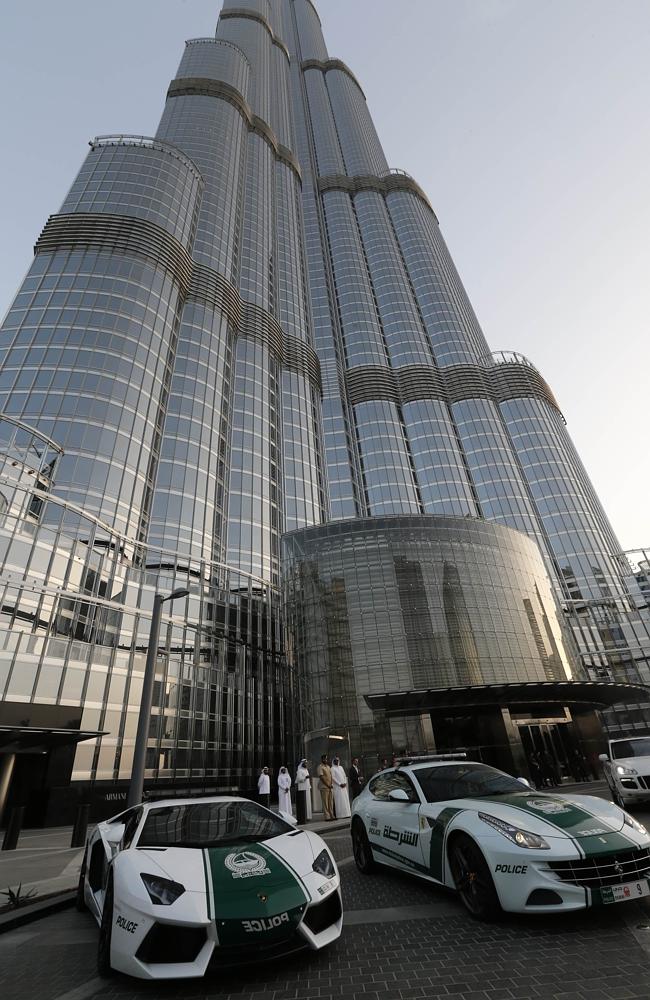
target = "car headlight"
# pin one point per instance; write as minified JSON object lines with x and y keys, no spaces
{"x":324,"y":864}
{"x":625,"y":770}
{"x":631,"y":821}
{"x":162,"y":891}
{"x":522,"y":838}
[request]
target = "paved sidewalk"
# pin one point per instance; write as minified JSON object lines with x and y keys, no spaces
{"x":43,"y":861}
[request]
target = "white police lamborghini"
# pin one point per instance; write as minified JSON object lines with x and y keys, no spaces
{"x":176,"y":885}
{"x":500,"y":844}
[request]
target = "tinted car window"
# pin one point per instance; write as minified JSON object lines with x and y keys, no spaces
{"x":458,"y":781}
{"x":132,"y":822}
{"x":382,"y":784}
{"x":122,"y":817}
{"x":631,"y":748}
{"x":210,"y":824}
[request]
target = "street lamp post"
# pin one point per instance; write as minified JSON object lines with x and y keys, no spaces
{"x":136,"y":786}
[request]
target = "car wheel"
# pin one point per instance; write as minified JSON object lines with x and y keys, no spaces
{"x":104,"y":967}
{"x":362,"y":850}
{"x":80,"y":900}
{"x":473,"y":879}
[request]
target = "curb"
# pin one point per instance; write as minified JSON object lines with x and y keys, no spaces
{"x":325,"y":828}
{"x":27,"y":914}
{"x":344,"y":825}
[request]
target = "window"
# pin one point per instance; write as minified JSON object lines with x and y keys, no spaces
{"x":631,"y":748}
{"x":210,"y":824}
{"x":130,"y":827}
{"x":383,"y":784}
{"x":458,"y":781}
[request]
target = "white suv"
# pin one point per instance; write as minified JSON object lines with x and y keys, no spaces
{"x":627,"y":769}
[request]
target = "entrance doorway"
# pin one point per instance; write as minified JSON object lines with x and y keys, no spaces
{"x":554,"y":742}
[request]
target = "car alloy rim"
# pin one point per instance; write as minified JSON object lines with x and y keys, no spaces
{"x":468,"y":880}
{"x":359,"y":848}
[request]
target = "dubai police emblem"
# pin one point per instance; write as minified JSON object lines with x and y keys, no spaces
{"x":246,"y":864}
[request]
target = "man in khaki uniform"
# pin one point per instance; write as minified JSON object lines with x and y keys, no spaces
{"x":325,"y":787}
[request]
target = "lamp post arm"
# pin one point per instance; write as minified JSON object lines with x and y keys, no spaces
{"x":136,"y":786}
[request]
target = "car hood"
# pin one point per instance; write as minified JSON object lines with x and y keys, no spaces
{"x":187,"y":865}
{"x":597,"y":824}
{"x":639,"y":764}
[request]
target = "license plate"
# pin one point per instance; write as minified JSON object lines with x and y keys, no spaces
{"x":629,"y":890}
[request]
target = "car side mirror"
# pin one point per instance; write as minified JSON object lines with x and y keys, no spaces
{"x":525,"y":782}
{"x":288,"y":818}
{"x":603,"y":757}
{"x":398,"y":795}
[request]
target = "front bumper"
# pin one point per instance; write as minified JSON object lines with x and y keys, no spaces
{"x":633,"y":788}
{"x":555,"y":881}
{"x":179,"y":942}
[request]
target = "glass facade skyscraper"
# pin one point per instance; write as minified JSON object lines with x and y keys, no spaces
{"x":247,"y":325}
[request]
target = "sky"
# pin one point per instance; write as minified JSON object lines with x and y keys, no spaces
{"x":525,"y":121}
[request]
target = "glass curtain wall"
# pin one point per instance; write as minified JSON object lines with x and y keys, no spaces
{"x":160,"y":387}
{"x":412,"y":603}
{"x":419,"y":415}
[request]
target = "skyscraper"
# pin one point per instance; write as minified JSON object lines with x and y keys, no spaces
{"x":244,"y":326}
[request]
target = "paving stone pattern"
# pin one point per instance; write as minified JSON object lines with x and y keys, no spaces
{"x":340,"y":844}
{"x":389,"y":888}
{"x":589,"y":956}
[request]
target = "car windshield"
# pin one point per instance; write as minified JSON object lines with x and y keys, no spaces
{"x":631,"y":748}
{"x":459,"y":781}
{"x":210,"y":824}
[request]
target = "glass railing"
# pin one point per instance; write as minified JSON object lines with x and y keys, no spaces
{"x":396,"y":171}
{"x":511,"y":358}
{"x":146,"y":142}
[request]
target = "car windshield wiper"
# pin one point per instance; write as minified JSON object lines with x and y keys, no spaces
{"x":504,"y":791}
{"x":171,"y":843}
{"x":246,"y":838}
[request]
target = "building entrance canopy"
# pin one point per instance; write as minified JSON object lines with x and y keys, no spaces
{"x":588,"y":695}
{"x":14,"y":739}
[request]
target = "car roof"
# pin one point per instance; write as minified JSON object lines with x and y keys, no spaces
{"x":418,"y":765}
{"x":197,"y":800}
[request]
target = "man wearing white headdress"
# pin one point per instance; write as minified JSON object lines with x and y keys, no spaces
{"x":303,"y":784}
{"x":340,"y":788}
{"x":284,"y":791}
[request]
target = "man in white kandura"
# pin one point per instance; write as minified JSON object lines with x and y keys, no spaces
{"x":340,"y":788}
{"x":303,"y":784}
{"x":264,"y":787}
{"x":284,"y":791}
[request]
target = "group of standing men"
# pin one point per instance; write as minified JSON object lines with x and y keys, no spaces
{"x":334,"y":785}
{"x":546,"y":773}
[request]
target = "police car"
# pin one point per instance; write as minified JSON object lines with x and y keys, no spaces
{"x":501,"y":845}
{"x":627,"y":769}
{"x":176,"y":885}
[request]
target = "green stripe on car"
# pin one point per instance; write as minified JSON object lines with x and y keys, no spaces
{"x":577,"y":822}
{"x":256,"y":897}
{"x":438,"y":837}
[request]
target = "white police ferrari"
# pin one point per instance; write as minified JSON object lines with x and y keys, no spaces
{"x":180,"y":884}
{"x":500,"y":844}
